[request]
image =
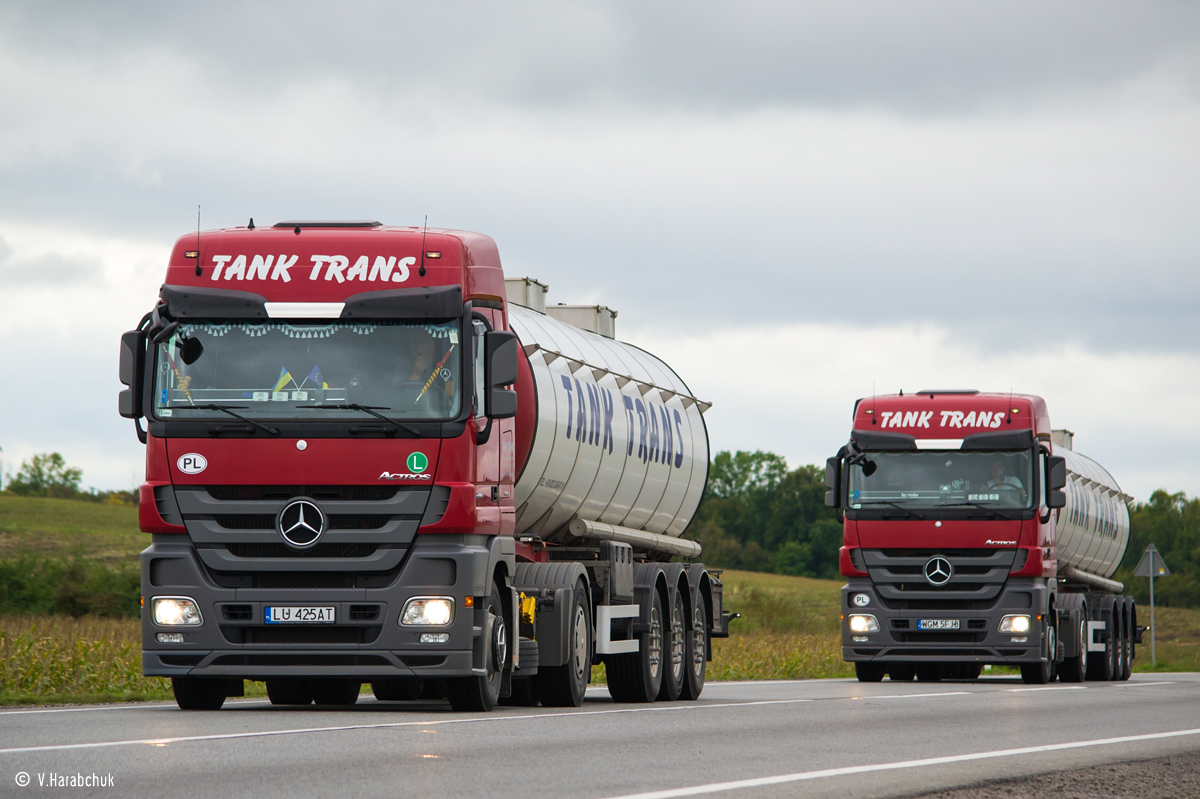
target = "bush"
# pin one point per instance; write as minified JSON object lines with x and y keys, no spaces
{"x":73,"y":587}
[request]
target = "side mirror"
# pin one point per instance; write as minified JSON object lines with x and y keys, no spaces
{"x":500,"y":369}
{"x":833,"y":481}
{"x":1056,"y":481}
{"x":132,"y":374}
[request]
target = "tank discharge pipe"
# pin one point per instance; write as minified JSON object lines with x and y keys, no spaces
{"x":640,"y":539}
{"x":1094,"y":580}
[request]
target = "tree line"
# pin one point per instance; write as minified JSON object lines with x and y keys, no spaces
{"x":758,"y":515}
{"x":48,"y":475}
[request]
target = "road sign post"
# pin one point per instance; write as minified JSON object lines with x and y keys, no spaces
{"x":1151,"y":565}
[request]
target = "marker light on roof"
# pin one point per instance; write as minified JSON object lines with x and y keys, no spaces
{"x":192,"y":254}
{"x":433,"y":255}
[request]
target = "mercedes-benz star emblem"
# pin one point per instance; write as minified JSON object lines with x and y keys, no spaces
{"x":301,"y":523}
{"x":938,"y":570}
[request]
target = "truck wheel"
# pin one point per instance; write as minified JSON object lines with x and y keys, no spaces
{"x":637,"y":676}
{"x":869,"y":672}
{"x":398,"y":689}
{"x":696,"y":657}
{"x":676,"y":652}
{"x":328,"y":692}
{"x":289,"y":692}
{"x":198,"y":693}
{"x":1127,"y":640}
{"x":524,"y":694}
{"x":1042,"y":673}
{"x":898,"y":673}
{"x":1074,"y":669}
{"x":480,"y":694}
{"x":564,"y":686}
{"x":1100,"y":667}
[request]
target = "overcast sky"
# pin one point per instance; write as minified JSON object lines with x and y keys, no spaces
{"x":793,"y":204}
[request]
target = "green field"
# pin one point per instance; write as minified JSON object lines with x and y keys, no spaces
{"x":788,"y":629}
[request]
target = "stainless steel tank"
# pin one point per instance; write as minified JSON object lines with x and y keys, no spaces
{"x":618,"y":437}
{"x":1093,"y":528}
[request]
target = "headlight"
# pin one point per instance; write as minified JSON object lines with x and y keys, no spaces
{"x":429,"y":611}
{"x":173,"y":611}
{"x":1014,"y":624}
{"x":863,"y":623}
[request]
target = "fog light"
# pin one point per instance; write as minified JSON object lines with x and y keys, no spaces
{"x":435,"y":638}
{"x":1014,"y":624}
{"x":429,"y":611}
{"x":169,"y":638}
{"x":1020,"y":639}
{"x":863,"y":623}
{"x":859,"y":639}
{"x":174,"y":611}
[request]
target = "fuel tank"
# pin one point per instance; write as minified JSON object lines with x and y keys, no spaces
{"x":608,"y":433}
{"x":1093,"y":528}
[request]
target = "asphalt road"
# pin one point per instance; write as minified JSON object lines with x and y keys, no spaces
{"x":835,"y":738}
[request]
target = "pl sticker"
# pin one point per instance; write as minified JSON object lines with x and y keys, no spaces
{"x":192,"y":463}
{"x":417,"y":462}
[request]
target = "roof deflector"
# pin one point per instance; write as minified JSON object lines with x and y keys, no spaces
{"x":303,"y":223}
{"x":932,"y":391}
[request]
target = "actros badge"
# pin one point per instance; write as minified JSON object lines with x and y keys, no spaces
{"x":301,"y":523}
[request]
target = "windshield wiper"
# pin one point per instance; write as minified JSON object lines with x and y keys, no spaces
{"x":228,"y":409}
{"x":354,"y":406}
{"x":897,"y":506}
{"x":989,"y":508}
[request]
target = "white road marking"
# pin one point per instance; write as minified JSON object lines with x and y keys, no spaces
{"x":911,"y":696}
{"x":760,"y":782}
{"x":397,"y":724}
{"x":1048,"y":688}
{"x":1140,"y":684}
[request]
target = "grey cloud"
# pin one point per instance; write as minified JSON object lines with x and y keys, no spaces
{"x":51,"y":269}
{"x":916,"y":57}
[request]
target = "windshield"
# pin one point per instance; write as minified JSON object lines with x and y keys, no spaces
{"x":942,"y":479}
{"x":287,"y":370}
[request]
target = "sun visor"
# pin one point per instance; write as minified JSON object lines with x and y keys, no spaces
{"x":444,"y":302}
{"x":1010,"y":439}
{"x":187,"y":302}
{"x":869,"y":440}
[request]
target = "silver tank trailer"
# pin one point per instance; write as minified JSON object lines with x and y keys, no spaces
{"x":619,"y":438}
{"x":1093,"y":528}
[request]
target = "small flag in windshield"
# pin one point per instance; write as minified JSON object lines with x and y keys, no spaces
{"x":285,"y":377}
{"x":315,"y":376}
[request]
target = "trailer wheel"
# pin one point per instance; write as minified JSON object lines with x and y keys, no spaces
{"x":637,"y":676}
{"x":564,"y":686}
{"x":289,"y":692}
{"x":198,"y":693}
{"x":334,"y":691}
{"x":398,"y":689}
{"x":1042,"y":673}
{"x":899,"y":673}
{"x":930,"y":672}
{"x":1074,"y":668}
{"x":1100,"y":668}
{"x":869,"y":672}
{"x":480,"y":694}
{"x":696,"y":657}
{"x":1127,"y":639}
{"x":675,"y":654}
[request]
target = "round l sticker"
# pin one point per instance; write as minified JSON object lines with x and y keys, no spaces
{"x":192,"y":463}
{"x":417,"y":462}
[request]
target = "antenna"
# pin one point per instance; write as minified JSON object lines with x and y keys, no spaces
{"x":424,"y":230}
{"x":873,"y":421}
{"x":197,"y":241}
{"x":1008,"y":415}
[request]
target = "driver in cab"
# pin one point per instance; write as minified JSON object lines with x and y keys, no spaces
{"x":1001,"y":481}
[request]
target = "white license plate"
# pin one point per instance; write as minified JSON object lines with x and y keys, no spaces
{"x":298,"y":615}
{"x":938,"y":624}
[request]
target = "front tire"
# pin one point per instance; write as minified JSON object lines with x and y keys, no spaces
{"x":1074,"y":668}
{"x":198,"y":693}
{"x":480,"y":694}
{"x":1042,"y":673}
{"x":564,"y":686}
{"x":869,"y":672}
{"x":289,"y":692}
{"x":335,"y":692}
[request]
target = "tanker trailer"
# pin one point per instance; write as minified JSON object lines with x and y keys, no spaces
{"x":364,"y":464}
{"x":974,"y":535}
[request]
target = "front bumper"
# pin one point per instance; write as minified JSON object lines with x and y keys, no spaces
{"x":978,"y":639}
{"x":366,"y":641}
